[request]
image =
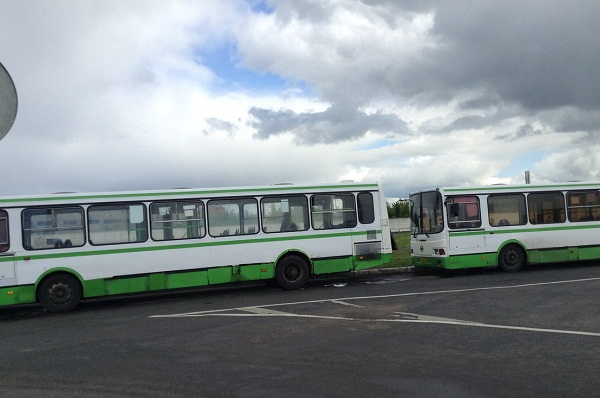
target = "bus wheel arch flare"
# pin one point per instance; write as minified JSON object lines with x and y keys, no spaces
{"x":63,"y":248}
{"x":505,"y":226}
{"x":512,"y":257}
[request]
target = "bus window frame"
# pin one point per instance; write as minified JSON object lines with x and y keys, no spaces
{"x":242,"y":202}
{"x":58,"y":243}
{"x":285,"y":226}
{"x":115,"y":205}
{"x":586,"y":206}
{"x":183,"y":202}
{"x":453,"y":210}
{"x":523,"y":217}
{"x":328,"y":214}
{"x":361,"y":207}
{"x":4,"y":231}
{"x":535,"y":212}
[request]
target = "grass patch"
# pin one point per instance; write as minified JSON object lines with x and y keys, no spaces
{"x":400,"y":257}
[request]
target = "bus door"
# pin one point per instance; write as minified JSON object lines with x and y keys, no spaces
{"x":7,"y":267}
{"x":7,"y":263}
{"x":464,"y":223}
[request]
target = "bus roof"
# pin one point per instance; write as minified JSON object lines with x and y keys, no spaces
{"x":489,"y":189}
{"x":165,"y":194}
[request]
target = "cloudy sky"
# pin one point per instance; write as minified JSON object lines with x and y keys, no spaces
{"x":127,"y":95}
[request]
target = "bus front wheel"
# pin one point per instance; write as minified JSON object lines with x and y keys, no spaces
{"x":292,"y":272}
{"x":59,"y":293}
{"x":511,"y":258}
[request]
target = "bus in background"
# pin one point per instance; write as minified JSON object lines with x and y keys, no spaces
{"x":62,"y":248}
{"x":505,"y":226}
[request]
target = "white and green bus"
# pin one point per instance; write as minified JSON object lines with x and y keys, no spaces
{"x":505,"y":226}
{"x":59,"y":249}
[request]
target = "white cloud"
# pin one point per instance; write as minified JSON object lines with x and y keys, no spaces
{"x":574,"y":164}
{"x":345,"y":50}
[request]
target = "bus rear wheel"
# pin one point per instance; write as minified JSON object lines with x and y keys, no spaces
{"x":292,"y":272}
{"x":59,"y":293}
{"x":511,"y":258}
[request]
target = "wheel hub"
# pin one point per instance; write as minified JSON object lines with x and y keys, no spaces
{"x":60,"y":293}
{"x":293,"y":273}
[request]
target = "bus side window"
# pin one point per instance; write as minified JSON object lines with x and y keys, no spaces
{"x":284,"y":214}
{"x":330,"y":211}
{"x":583,"y":206}
{"x":4,"y":243}
{"x":463,"y":212}
{"x":231,"y":217}
{"x":52,"y":228}
{"x":366,"y":208}
{"x":177,"y":220}
{"x":507,"y":209}
{"x":546,"y":207}
{"x":117,"y":223}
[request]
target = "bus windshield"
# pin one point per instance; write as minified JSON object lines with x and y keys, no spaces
{"x":426,"y":213}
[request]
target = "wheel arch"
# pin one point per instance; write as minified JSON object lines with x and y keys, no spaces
{"x":58,"y":270}
{"x":513,"y":242}
{"x":296,"y":252}
{"x":512,"y":256}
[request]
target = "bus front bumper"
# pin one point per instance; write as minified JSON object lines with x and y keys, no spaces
{"x":428,"y":262}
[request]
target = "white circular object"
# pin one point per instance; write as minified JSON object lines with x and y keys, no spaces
{"x":8,"y":102}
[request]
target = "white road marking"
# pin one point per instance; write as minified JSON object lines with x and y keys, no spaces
{"x":403,"y":317}
{"x":408,"y":317}
{"x":415,"y":318}
{"x":348,"y":304}
{"x":257,"y":315}
{"x":475,"y":289}
{"x":263,"y":311}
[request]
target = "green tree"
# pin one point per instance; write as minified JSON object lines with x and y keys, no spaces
{"x":404,"y":210}
{"x":398,"y":209}
{"x":391,"y":210}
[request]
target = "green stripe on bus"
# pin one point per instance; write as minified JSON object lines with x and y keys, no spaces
{"x":490,"y":259}
{"x":521,"y":230}
{"x":225,"y":242}
{"x":457,"y":262}
{"x":17,"y":295}
{"x":160,"y":281}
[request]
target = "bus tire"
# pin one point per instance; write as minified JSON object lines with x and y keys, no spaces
{"x":512,"y":258}
{"x":292,"y":272}
{"x":59,"y":292}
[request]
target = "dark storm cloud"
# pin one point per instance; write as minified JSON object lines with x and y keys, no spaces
{"x":571,"y":119}
{"x":523,"y":56}
{"x":467,"y":123}
{"x":523,"y":131}
{"x":538,"y":54}
{"x":332,"y":125}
